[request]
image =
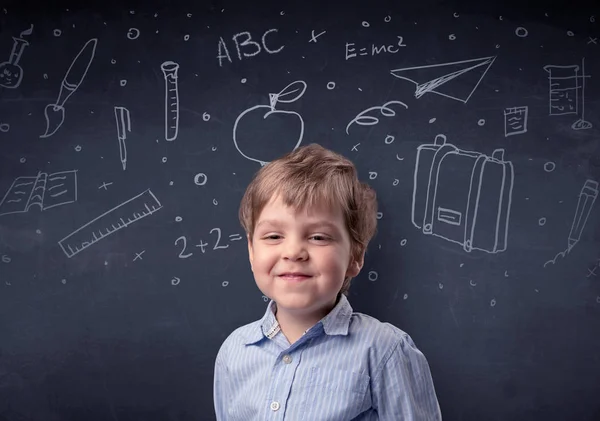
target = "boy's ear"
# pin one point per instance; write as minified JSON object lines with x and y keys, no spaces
{"x":250,"y":249}
{"x":355,"y":266}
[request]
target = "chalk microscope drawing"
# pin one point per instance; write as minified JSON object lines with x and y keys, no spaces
{"x":123,"y":126}
{"x":471,"y":73}
{"x":515,"y":120}
{"x":287,"y":95}
{"x":169,"y":70}
{"x":55,"y":113}
{"x":119,"y":217}
{"x":587,"y":197}
{"x":564,"y":92}
{"x":11,"y":73}
{"x":463,"y":196}
{"x":43,"y":190}
{"x":362,"y":119}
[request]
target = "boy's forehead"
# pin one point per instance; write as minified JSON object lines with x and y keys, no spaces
{"x":276,"y":207}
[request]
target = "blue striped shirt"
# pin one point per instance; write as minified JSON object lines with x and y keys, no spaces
{"x":349,"y":366}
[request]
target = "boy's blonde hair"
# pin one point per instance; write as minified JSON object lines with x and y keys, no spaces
{"x":312,"y":175}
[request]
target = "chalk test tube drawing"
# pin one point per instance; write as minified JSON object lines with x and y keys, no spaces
{"x":271,"y":123}
{"x":44,"y":191}
{"x":55,"y":113}
{"x":463,"y":196}
{"x":123,"y":126}
{"x":170,"y":69}
{"x":515,"y":120}
{"x":437,"y":78}
{"x":362,"y":119}
{"x":564,"y":92}
{"x":119,"y":217}
{"x":587,"y":198}
{"x":11,"y":73}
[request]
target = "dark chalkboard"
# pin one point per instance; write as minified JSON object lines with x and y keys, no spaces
{"x":129,"y":133}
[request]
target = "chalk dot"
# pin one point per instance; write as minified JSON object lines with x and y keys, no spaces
{"x":481,"y":122}
{"x":396,"y":182}
{"x":549,"y":166}
{"x":206,"y":116}
{"x":521,"y":32}
{"x":224,"y":283}
{"x":461,"y":265}
{"x":132,"y":12}
{"x":186,"y":37}
{"x":542,"y":221}
{"x":122,"y":82}
{"x":387,"y":19}
{"x":592,"y":19}
{"x":214,"y":148}
{"x":330,"y":85}
{"x":4,"y":127}
{"x":497,"y":45}
{"x":215,"y":202}
{"x":570,"y":33}
{"x":451,"y":37}
{"x":389,"y":139}
{"x":200,"y":179}
{"x":282,"y":13}
{"x":265,"y":298}
{"x":500,"y":17}
{"x":22,"y":160}
{"x":178,"y":219}
{"x":379,"y":215}
{"x":598,"y":299}
{"x":472,"y":283}
{"x":105,"y":263}
{"x":64,"y":281}
{"x":57,"y":32}
{"x":373,"y":276}
{"x":164,"y":159}
{"x":403,"y":242}
{"x":244,"y":80}
{"x":456,"y":14}
{"x":189,"y":15}
{"x":405,"y":296}
{"x":432,"y":120}
{"x":493,"y":302}
{"x":38,"y":231}
{"x":365,"y":24}
{"x":440,"y":285}
{"x":170,"y":183}
{"x":46,"y":76}
{"x":78,"y":148}
{"x":372,"y":175}
{"x":175,"y":281}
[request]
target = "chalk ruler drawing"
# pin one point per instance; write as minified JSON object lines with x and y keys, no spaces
{"x":463,"y":196}
{"x":587,"y":197}
{"x":44,"y":191}
{"x":437,"y":78}
{"x":515,"y":120}
{"x":564,"y":92}
{"x":109,"y":222}
{"x":55,"y":113}
{"x":287,"y":95}
{"x":11,"y":73}
{"x":123,"y":126}
{"x":363,"y":119}
{"x":170,"y":69}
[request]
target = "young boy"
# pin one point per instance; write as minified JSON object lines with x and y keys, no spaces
{"x":308,"y":221}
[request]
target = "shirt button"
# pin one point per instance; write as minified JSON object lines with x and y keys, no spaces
{"x":274,"y":406}
{"x":287,"y":359}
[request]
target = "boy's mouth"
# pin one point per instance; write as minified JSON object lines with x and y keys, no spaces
{"x":294,"y":276}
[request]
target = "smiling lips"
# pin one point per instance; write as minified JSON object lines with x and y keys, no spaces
{"x":294,"y":276}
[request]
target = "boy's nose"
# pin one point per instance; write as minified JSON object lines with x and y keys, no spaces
{"x":295,"y":250}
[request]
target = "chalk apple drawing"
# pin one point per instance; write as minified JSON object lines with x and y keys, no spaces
{"x":273,"y":123}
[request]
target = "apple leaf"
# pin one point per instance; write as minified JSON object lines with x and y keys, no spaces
{"x":290,"y":92}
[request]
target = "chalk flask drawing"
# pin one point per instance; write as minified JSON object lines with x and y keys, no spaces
{"x":463,"y":196}
{"x":11,"y":73}
{"x":271,"y":120}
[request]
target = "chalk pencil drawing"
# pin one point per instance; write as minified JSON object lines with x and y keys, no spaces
{"x":44,"y":190}
{"x":515,"y":120}
{"x":564,"y":92}
{"x":170,"y":70}
{"x":123,"y":126}
{"x":55,"y":113}
{"x":11,"y":73}
{"x":587,"y":197}
{"x":363,"y":119}
{"x":271,"y":121}
{"x":463,"y":196}
{"x":119,"y":217}
{"x":437,"y":78}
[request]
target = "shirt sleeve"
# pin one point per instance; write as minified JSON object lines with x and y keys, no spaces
{"x":220,"y":388}
{"x":403,"y":389}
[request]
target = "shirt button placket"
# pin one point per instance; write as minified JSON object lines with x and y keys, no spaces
{"x":274,"y":406}
{"x":287,"y":358}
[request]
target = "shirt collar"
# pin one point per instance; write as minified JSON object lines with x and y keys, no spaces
{"x":334,"y":323}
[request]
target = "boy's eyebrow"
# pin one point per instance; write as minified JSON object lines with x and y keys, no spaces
{"x":311,"y":225}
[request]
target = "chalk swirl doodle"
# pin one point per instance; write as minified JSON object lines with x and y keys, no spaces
{"x":368,"y":120}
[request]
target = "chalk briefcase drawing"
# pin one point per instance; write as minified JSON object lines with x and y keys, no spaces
{"x":463,"y":196}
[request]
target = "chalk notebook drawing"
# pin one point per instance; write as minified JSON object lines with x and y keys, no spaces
{"x":463,"y":196}
{"x":44,"y":191}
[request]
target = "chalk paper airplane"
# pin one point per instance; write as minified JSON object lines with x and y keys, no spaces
{"x":457,"y":80}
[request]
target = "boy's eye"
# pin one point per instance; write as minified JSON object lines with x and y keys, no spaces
{"x":272,"y":237}
{"x":319,"y":237}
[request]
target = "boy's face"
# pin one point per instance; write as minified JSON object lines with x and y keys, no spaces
{"x":300,"y":258}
